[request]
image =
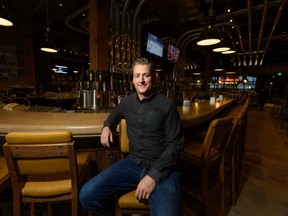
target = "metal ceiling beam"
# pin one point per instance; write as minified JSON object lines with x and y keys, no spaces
{"x":279,"y":14}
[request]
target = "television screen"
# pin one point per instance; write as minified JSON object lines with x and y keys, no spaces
{"x":154,"y":45}
{"x":61,"y":69}
{"x":173,"y":53}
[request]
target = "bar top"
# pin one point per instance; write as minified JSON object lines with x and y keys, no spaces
{"x":201,"y":111}
{"x":90,"y":124}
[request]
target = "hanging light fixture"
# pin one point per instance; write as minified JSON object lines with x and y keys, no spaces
{"x":224,"y":44}
{"x":5,"y":16}
{"x":210,"y":34}
{"x":48,"y":44}
{"x":229,"y":52}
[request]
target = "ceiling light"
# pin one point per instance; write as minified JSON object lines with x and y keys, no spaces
{"x":48,"y":44}
{"x":218,"y":69}
{"x":221,"y":49}
{"x":75,"y":70}
{"x":229,"y":52}
{"x":225,"y":43}
{"x":210,"y":34}
{"x":5,"y":16}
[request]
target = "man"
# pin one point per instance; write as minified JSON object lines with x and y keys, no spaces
{"x":156,"y":142}
{"x":263,"y":97}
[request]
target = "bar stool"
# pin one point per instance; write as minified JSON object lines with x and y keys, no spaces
{"x":127,"y":203}
{"x":4,"y":174}
{"x":4,"y":184}
{"x":206,"y":155}
{"x":44,"y":168}
{"x":233,"y":157}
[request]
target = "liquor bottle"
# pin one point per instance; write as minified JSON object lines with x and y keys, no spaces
{"x":99,"y":95}
{"x":111,"y":82}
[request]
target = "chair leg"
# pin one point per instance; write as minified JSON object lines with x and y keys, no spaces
{"x":49,"y":209}
{"x":74,"y":207}
{"x":32,"y":209}
{"x":222,"y":185}
{"x":232,"y":180}
{"x":236,"y":174}
{"x":16,"y":205}
{"x":118,"y":210}
{"x":204,"y":188}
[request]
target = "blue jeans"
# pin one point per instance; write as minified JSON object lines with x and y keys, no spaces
{"x":124,"y":176}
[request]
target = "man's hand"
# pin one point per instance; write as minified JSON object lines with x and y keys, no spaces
{"x":145,"y":188}
{"x":106,"y":137}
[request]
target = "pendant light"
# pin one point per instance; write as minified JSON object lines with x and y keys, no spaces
{"x":228,"y":52}
{"x":48,"y":44}
{"x":5,"y":16}
{"x":224,"y":44}
{"x":210,"y":34}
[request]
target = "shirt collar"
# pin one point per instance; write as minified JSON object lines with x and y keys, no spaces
{"x":150,"y":97}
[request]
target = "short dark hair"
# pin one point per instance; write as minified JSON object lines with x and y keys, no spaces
{"x":144,"y":61}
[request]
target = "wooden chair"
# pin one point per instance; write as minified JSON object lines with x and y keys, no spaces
{"x":206,"y":155}
{"x":44,"y":168}
{"x":4,"y":174}
{"x":128,"y":204}
{"x":4,"y":185}
{"x":233,"y":157}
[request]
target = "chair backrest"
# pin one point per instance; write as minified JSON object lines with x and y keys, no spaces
{"x":234,"y":134}
{"x":41,"y":153}
{"x":123,"y":137}
{"x":217,"y":135}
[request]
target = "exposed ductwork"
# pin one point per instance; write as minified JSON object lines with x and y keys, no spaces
{"x":279,"y":14}
{"x":264,"y":17}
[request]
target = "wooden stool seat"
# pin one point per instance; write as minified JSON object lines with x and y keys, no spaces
{"x":129,"y":200}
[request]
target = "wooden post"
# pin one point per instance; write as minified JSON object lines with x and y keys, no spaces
{"x":98,"y":34}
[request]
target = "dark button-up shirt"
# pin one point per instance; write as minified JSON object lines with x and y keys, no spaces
{"x":154,"y":132}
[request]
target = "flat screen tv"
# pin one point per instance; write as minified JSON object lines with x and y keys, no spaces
{"x":154,"y":45}
{"x":61,"y":69}
{"x":172,"y":53}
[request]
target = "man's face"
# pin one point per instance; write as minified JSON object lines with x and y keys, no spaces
{"x":142,"y":80}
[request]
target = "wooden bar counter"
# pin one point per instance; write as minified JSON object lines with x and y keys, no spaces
{"x":90,"y":124}
{"x":202,"y":111}
{"x":80,"y":124}
{"x":86,"y":127}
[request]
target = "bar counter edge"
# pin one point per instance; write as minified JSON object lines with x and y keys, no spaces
{"x":90,"y":124}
